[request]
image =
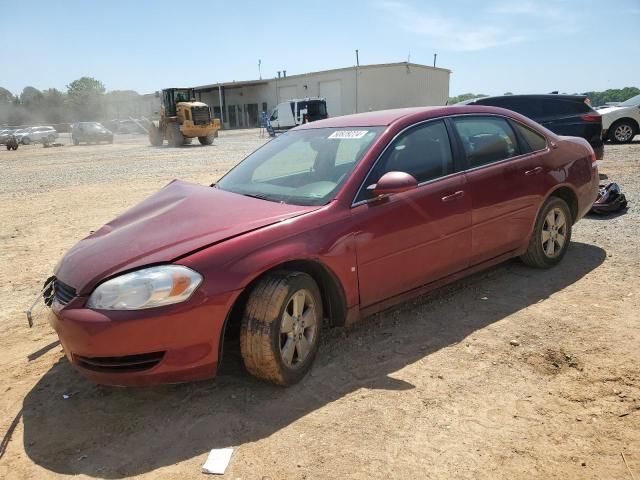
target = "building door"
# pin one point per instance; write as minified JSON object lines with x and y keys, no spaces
{"x":332,"y":92}
{"x":252,"y":113}
{"x":232,"y":116}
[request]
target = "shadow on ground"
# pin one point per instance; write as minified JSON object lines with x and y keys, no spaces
{"x":115,"y":432}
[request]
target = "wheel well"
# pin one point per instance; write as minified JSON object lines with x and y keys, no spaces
{"x":569,"y":196}
{"x":334,"y":302}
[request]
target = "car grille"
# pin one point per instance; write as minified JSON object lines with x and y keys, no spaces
{"x":62,"y":292}
{"x":126,"y":364}
{"x":200,"y":115}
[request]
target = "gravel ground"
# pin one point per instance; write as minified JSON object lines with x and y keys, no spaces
{"x":511,"y":373}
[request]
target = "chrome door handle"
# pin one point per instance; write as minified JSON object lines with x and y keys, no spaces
{"x":534,"y":171}
{"x":453,"y":196}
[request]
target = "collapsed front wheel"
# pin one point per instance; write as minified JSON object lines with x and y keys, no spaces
{"x":551,"y":235}
{"x":281,"y":326}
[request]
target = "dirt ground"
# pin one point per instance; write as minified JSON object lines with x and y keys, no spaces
{"x":511,"y":373}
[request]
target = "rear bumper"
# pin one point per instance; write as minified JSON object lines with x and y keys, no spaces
{"x":172,"y":344}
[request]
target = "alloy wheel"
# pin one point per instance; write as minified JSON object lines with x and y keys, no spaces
{"x":623,"y":133}
{"x":554,"y":233}
{"x":298,"y":329}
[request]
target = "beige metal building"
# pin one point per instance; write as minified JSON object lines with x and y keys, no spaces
{"x":347,"y":90}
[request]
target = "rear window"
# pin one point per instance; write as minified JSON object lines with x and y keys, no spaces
{"x":529,"y":107}
{"x":534,"y":139}
{"x":486,"y":139}
{"x":552,"y":107}
{"x":316,"y":108}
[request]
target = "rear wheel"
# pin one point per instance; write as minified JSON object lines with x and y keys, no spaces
{"x":176,"y":139}
{"x":26,"y":141}
{"x":52,"y":138}
{"x":551,"y":235}
{"x":281,"y":325}
{"x":622,"y":131}
{"x":208,"y":140}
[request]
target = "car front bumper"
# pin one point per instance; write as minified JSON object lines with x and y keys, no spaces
{"x":172,"y":344}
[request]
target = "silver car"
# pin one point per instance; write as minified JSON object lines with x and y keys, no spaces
{"x":44,"y":134}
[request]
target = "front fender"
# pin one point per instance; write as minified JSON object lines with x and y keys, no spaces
{"x":235,"y":263}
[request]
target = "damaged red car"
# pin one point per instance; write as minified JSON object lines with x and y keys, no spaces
{"x":325,"y":224}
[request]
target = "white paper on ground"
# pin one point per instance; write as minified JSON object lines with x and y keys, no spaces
{"x":217,"y":461}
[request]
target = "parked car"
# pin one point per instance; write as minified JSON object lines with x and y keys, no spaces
{"x":5,"y":134}
{"x":327,"y":223}
{"x":298,"y":111}
{"x":621,"y":122}
{"x":29,"y":135}
{"x":90,"y":132}
{"x":562,"y":114}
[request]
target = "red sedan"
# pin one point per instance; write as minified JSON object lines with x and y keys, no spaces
{"x":330,"y":222}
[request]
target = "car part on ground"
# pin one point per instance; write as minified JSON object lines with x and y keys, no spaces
{"x":182,"y":118}
{"x":610,"y":200}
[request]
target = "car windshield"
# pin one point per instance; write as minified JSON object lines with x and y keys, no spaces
{"x":632,"y":102}
{"x":301,"y":167}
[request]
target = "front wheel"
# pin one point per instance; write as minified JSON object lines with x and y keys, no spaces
{"x":551,"y":235}
{"x":280,"y":331}
{"x":208,"y":140}
{"x":26,"y":141}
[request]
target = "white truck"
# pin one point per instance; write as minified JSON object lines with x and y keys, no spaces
{"x":620,"y":123}
{"x":297,"y":111}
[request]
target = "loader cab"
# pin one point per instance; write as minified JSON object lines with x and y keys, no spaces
{"x":172,"y":96}
{"x":298,"y":111}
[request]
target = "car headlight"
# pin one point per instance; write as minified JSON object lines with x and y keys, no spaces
{"x":146,"y":288}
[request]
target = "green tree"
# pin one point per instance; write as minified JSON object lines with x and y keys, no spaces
{"x":85,"y":97}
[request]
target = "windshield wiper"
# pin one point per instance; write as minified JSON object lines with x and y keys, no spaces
{"x":258,"y":196}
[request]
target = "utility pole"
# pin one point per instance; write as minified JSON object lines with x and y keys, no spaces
{"x":357,"y":71}
{"x":260,"y":69}
{"x":435,"y":55}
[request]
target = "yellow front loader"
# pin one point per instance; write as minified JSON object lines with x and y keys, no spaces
{"x":182,"y":119}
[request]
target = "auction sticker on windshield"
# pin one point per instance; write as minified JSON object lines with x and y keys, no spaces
{"x":348,"y":134}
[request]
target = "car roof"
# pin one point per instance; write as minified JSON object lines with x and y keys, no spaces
{"x":383,"y":118}
{"x":534,"y":96}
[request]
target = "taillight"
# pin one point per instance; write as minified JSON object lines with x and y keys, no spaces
{"x":591,"y":117}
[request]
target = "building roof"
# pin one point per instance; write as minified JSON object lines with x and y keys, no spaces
{"x":250,"y":83}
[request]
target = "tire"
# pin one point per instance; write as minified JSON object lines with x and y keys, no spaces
{"x":553,"y":223}
{"x":26,"y":140}
{"x":622,"y":131}
{"x":208,"y":140}
{"x":52,"y":138}
{"x":273,"y":324}
{"x":175,"y":137}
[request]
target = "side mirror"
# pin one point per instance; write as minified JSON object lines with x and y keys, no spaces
{"x":393,"y":182}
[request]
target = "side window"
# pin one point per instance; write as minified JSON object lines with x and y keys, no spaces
{"x":274,"y":115}
{"x":423,"y":152}
{"x":534,"y":139}
{"x":486,"y":139}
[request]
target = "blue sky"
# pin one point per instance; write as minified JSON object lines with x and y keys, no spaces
{"x":492,"y":47}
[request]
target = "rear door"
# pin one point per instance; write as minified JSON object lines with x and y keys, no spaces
{"x":505,"y":183}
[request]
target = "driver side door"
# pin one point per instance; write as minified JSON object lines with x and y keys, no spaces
{"x":413,"y":238}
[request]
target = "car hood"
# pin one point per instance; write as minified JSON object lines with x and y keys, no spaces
{"x":180,"y":218}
